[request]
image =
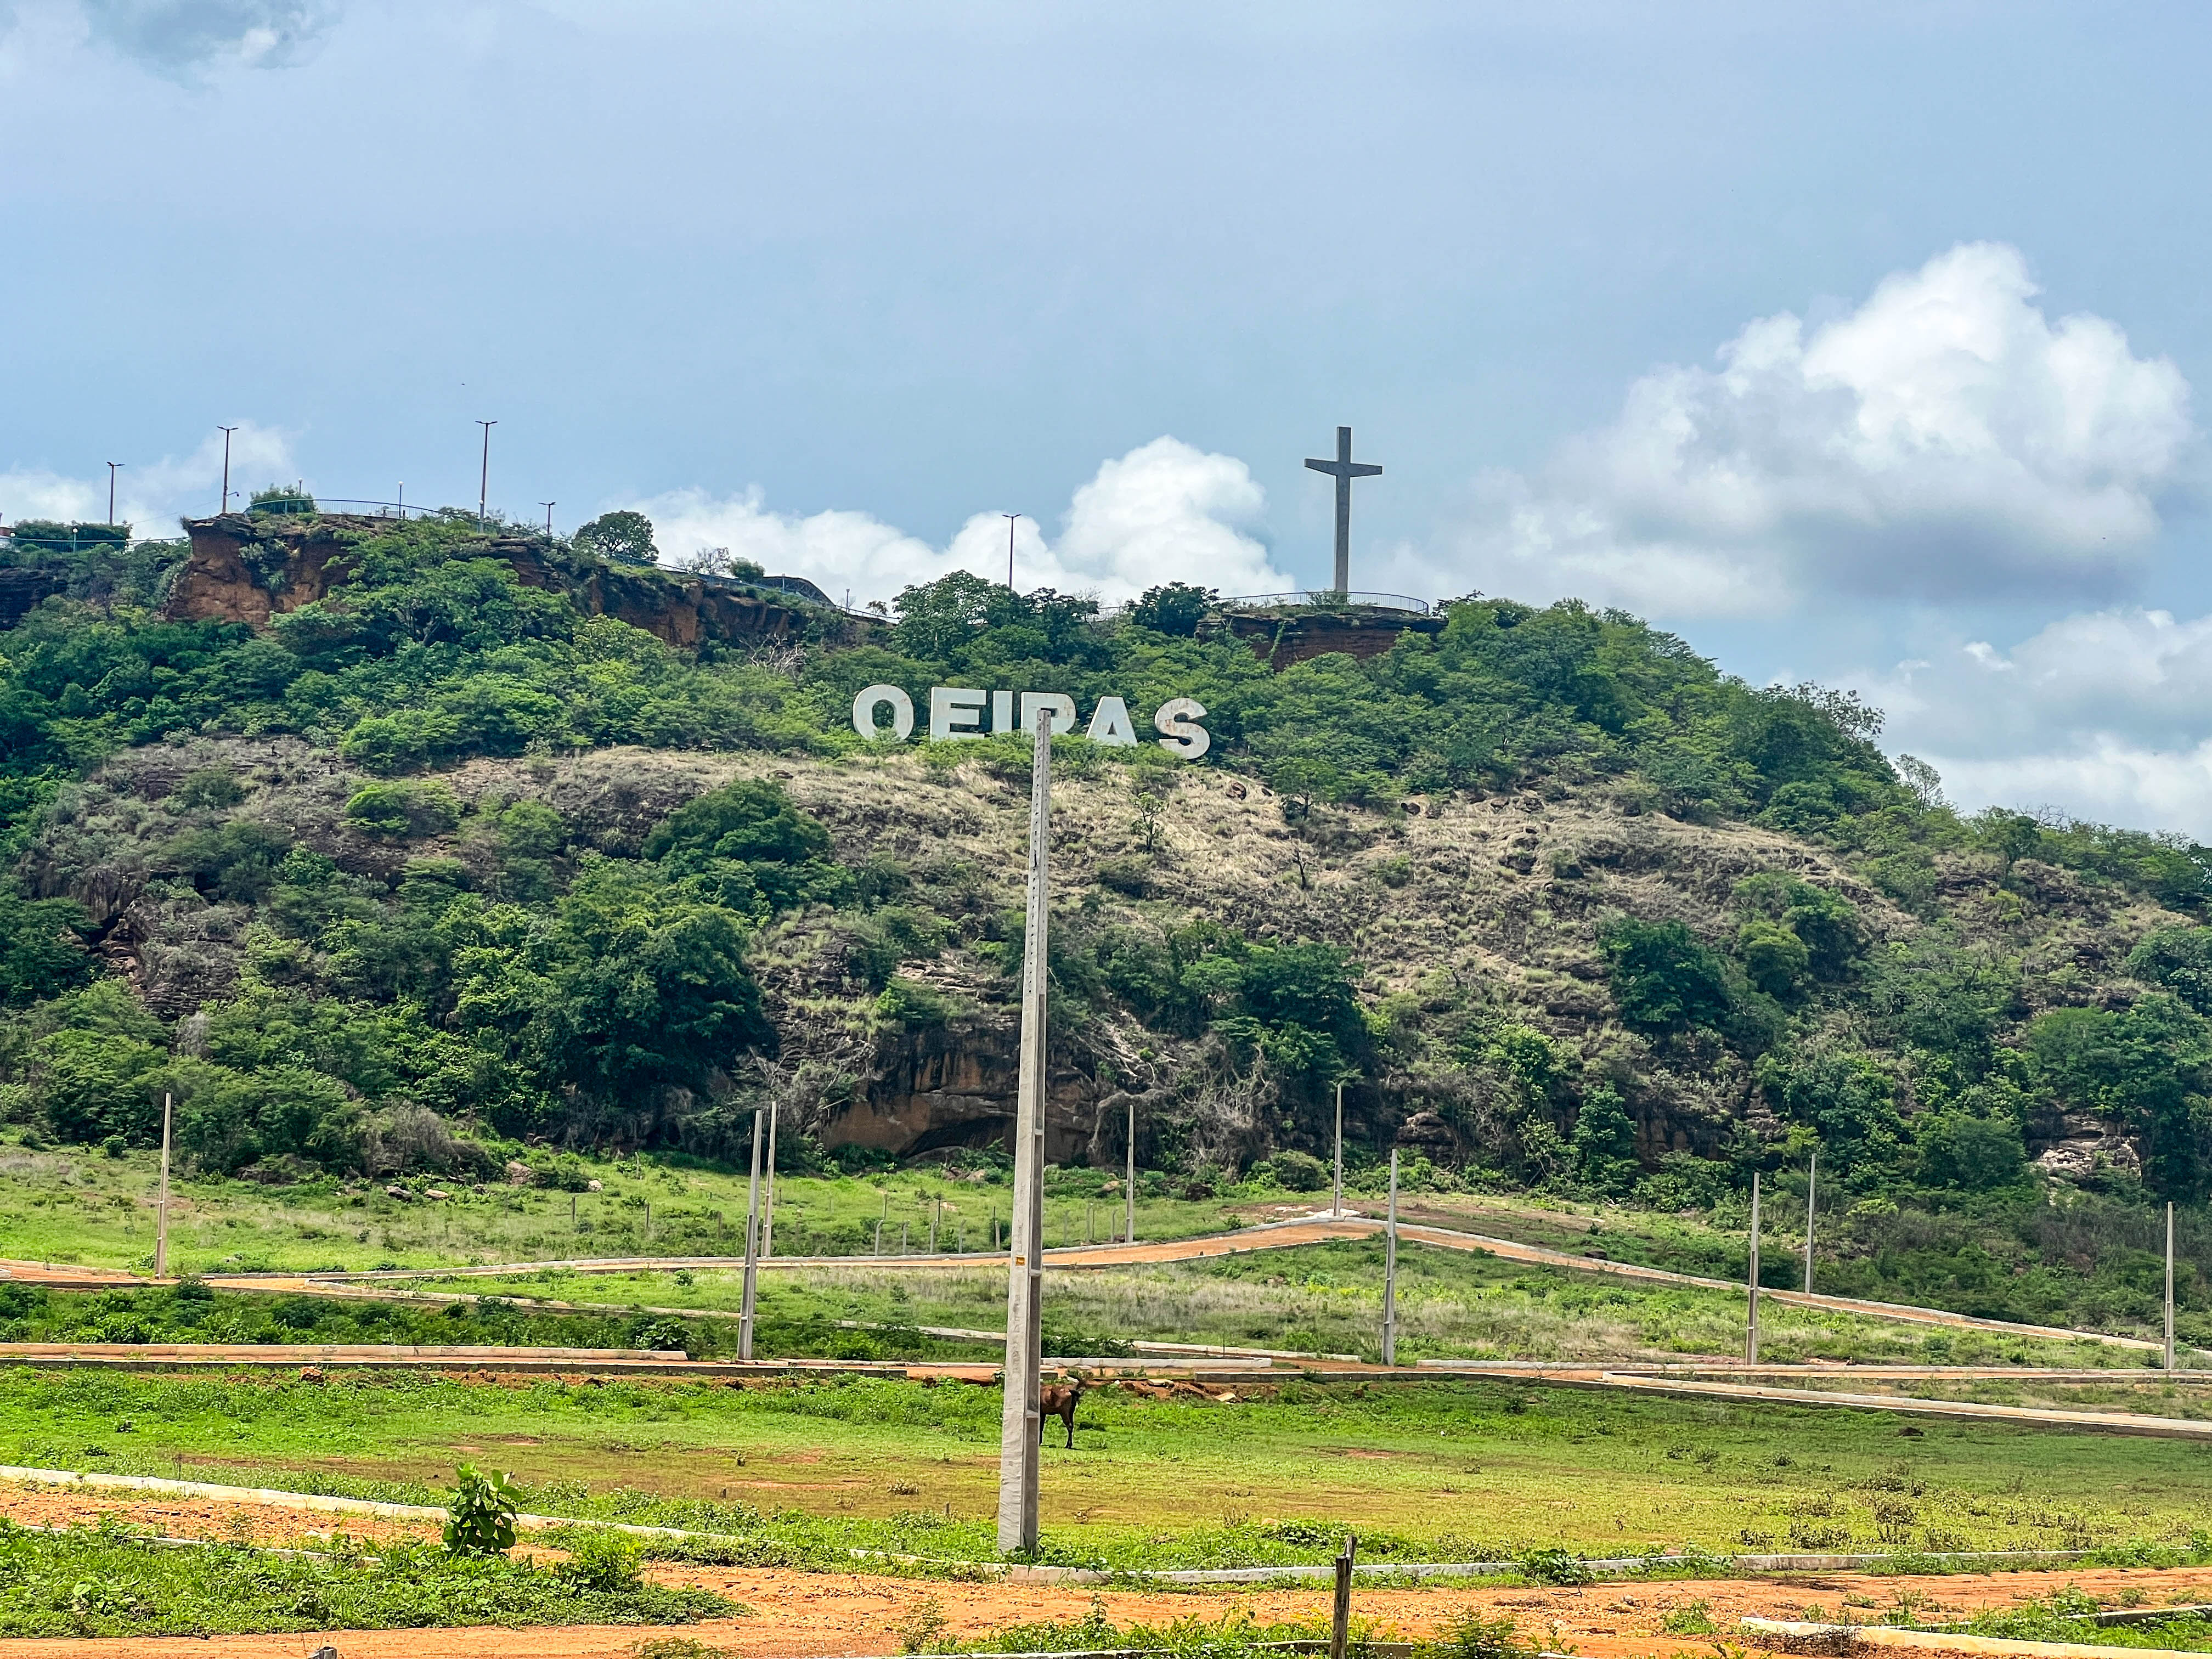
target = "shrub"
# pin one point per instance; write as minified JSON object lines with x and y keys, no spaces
{"x":403,"y":812}
{"x":913,"y":1003}
{"x":601,"y":1560}
{"x":480,"y":1516}
{"x":1298,"y":1172}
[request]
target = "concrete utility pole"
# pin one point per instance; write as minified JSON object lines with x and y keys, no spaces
{"x":752,"y":1249}
{"x":549,"y":507}
{"x":226,"y":431}
{"x":112,"y":467}
{"x":483,"y":478}
{"x":1336,"y":1196}
{"x":1390,"y":1271}
{"x":1129,"y":1180}
{"x":2169,"y":1287}
{"x":1751,"y":1321}
{"x":161,"y":1211}
{"x":1811,"y":1176}
{"x":1009,"y":518}
{"x":1019,"y":1422}
{"x":768,"y":1216}
{"x":1344,"y":469}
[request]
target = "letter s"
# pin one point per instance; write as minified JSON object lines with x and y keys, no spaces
{"x":1180,"y":734}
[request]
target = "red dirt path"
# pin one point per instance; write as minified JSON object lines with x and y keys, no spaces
{"x":801,"y":1613}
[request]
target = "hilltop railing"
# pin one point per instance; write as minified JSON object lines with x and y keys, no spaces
{"x":1328,"y":599}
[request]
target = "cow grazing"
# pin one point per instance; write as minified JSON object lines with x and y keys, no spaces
{"x":1060,"y":1402}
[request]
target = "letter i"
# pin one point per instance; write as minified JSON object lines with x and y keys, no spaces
{"x":1002,"y":711}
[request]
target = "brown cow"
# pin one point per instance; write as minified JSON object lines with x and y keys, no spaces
{"x":1060,"y":1402}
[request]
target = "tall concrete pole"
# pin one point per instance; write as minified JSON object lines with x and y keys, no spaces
{"x":767,"y":1213}
{"x":1390,"y":1271}
{"x":1751,"y":1321}
{"x":752,"y":1249}
{"x":161,"y":1214}
{"x":1336,"y":1200}
{"x":1019,"y":1424}
{"x":1812,"y":1178}
{"x":1129,"y":1180}
{"x":2169,"y":1287}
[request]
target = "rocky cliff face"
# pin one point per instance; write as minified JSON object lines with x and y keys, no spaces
{"x":249,"y":568}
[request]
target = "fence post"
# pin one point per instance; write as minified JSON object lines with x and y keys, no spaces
{"x":1339,"y":1625}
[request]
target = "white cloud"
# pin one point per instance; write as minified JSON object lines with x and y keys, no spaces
{"x":151,"y":497}
{"x":1164,"y":511}
{"x":181,"y":37}
{"x":2100,"y":714}
{"x":1946,"y":439}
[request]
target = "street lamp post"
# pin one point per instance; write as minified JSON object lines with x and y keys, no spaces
{"x":226,"y":431}
{"x":549,"y":507}
{"x":483,"y":478}
{"x":1009,"y":518}
{"x":112,"y":468}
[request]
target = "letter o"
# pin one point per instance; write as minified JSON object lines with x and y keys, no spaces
{"x":873,"y":698}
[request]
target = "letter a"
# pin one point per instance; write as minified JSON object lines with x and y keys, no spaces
{"x":1110,"y":724}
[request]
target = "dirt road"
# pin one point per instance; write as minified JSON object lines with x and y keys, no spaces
{"x":798,"y":1613}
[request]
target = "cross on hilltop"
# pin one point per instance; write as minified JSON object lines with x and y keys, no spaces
{"x":1344,"y":469}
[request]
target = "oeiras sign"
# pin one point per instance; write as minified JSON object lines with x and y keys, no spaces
{"x":958,"y":711}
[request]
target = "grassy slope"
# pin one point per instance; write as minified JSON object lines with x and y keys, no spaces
{"x":1324,"y":1298}
{"x":1453,"y":1469}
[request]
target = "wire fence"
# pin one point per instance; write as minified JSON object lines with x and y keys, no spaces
{"x":1330,"y":598}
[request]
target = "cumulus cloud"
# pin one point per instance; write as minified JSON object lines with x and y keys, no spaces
{"x":182,"y":37}
{"x":2100,"y":714}
{"x":1164,"y":511}
{"x":1946,"y":439}
{"x":151,"y":497}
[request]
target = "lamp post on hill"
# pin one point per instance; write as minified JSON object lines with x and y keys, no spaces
{"x":1009,"y":518}
{"x":483,"y":478}
{"x":112,"y":468}
{"x":226,"y":431}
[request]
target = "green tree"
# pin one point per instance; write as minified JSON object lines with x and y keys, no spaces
{"x":42,"y":951}
{"x":1847,"y":1099}
{"x":747,"y":847}
{"x":620,"y":538}
{"x":1175,"y":608}
{"x":1973,"y":1154}
{"x":2181,"y":959}
{"x":1664,"y":978}
{"x":2148,"y":1067}
{"x":646,"y":989}
{"x":1604,"y":1142}
{"x":1774,"y":958}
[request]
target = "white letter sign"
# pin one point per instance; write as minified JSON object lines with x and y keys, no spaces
{"x":864,"y":707}
{"x":955,"y":712}
{"x":1179,"y":735}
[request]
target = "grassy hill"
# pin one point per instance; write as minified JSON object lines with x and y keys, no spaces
{"x":446,"y":870}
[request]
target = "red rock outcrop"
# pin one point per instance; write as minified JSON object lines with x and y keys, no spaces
{"x":1280,"y":638}
{"x":250,"y":567}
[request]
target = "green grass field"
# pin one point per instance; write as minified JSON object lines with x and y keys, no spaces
{"x":1324,"y":1298}
{"x":1456,"y":1470}
{"x":84,"y":1208}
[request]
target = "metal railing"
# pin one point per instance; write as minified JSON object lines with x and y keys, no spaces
{"x":1328,"y":599}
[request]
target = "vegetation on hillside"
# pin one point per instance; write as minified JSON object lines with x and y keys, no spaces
{"x":367,"y":969}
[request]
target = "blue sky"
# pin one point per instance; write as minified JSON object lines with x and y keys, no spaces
{"x":1853,"y":343}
